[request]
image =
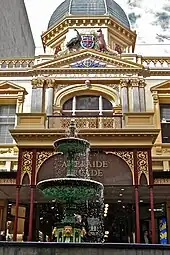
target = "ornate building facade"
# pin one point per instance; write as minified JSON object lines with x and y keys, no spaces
{"x":120,"y":102}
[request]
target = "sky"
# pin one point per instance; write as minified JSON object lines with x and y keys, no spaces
{"x":150,"y":19}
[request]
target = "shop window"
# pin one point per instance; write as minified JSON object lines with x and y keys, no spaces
{"x":165,"y":122}
{"x":7,"y":121}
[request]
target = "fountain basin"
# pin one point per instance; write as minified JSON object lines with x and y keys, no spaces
{"x":71,"y":189}
{"x":71,"y":145}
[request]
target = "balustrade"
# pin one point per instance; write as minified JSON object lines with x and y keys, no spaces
{"x":156,"y":62}
{"x":16,"y":63}
{"x":102,"y":122}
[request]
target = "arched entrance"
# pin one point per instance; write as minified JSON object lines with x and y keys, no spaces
{"x":116,"y":175}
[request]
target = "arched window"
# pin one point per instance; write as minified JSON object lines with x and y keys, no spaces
{"x":87,"y":105}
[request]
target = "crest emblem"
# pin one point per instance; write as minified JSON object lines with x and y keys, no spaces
{"x":87,"y":41}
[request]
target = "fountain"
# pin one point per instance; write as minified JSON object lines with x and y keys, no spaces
{"x":74,"y":189}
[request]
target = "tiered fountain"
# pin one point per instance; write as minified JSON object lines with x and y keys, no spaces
{"x":73,"y":190}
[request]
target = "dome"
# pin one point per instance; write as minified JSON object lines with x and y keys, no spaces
{"x":89,"y":8}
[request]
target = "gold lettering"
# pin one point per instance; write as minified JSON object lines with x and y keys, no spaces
{"x":99,"y":164}
{"x":105,"y":164}
{"x":100,"y":173}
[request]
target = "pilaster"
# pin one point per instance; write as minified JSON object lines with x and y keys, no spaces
{"x":142,"y":95}
{"x":37,"y":95}
{"x":135,"y":95}
{"x":157,"y":114}
{"x":124,"y":95}
{"x":49,"y":96}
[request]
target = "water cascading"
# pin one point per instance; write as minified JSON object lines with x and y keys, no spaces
{"x":75,"y":189}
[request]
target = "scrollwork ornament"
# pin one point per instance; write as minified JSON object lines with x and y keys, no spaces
{"x":142,"y":162}
{"x":27,"y":157}
{"x":127,"y":156}
{"x":42,"y":157}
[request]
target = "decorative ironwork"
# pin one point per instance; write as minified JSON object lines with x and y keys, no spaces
{"x":127,"y":156}
{"x":41,"y":157}
{"x":142,"y":162}
{"x":86,"y":122}
{"x":27,"y":157}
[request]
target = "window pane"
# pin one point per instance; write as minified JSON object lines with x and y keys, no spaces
{"x":165,"y":111}
{"x":106,"y":104}
{"x":68,"y":104}
{"x":87,"y":103}
{"x":7,"y":121}
{"x":165,"y":132}
{"x":5,"y":136}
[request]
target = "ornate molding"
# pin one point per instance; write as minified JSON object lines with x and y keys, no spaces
{"x":37,"y":83}
{"x":142,"y":83}
{"x":124,"y":83}
{"x":162,"y":181}
{"x":50,"y":83}
{"x":134,"y":82}
{"x":8,"y":181}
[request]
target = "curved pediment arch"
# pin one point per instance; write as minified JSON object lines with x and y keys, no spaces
{"x":82,"y":89}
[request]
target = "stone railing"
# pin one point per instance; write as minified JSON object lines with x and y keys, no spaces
{"x":18,"y":63}
{"x":156,"y":62}
{"x":86,"y":122}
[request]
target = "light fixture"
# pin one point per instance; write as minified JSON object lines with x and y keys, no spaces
{"x":123,"y":206}
{"x":120,"y":195}
{"x":122,"y":189}
{"x":141,"y":201}
{"x":119,"y":201}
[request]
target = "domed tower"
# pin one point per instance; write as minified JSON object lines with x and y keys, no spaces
{"x":87,"y":16}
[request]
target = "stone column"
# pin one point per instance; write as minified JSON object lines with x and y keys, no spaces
{"x":49,"y":97}
{"x":37,"y":95}
{"x":135,"y":95}
{"x":142,"y":95}
{"x":124,"y":95}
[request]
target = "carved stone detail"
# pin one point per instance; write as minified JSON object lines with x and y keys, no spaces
{"x":27,"y":157}
{"x":124,"y":82}
{"x":50,"y":83}
{"x":134,"y":82}
{"x":155,"y":97}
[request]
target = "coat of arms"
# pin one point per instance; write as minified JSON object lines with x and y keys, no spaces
{"x":87,"y":41}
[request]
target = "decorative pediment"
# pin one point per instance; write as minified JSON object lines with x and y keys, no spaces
{"x":89,"y":59}
{"x":163,"y":87}
{"x":11,"y":88}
